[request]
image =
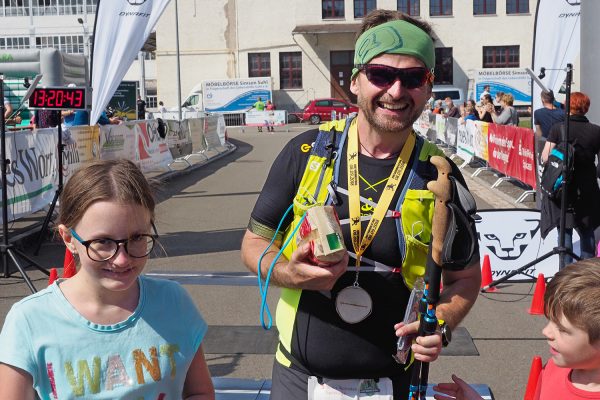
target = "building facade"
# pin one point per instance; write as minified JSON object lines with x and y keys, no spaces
{"x":306,"y":46}
{"x":67,"y":25}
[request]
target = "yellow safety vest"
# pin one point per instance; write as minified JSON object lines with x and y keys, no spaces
{"x":415,"y":205}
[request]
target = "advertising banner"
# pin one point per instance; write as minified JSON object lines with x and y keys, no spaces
{"x":152,"y":151}
{"x":32,"y":172}
{"x":178,"y":139}
{"x":511,"y":151}
{"x":117,"y":141}
{"x":124,"y":101}
{"x":465,"y":139}
{"x":451,"y":131}
{"x":480,"y":143}
{"x":120,"y":30}
{"x":440,"y":127}
{"x":81,"y":146}
{"x":556,"y":42}
{"x":511,"y":238}
{"x":265,"y":118}
{"x":515,"y":81}
{"x":235,"y":95}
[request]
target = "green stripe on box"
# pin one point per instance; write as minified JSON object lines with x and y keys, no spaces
{"x":334,"y":242}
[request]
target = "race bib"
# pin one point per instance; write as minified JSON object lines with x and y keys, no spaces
{"x":350,"y":389}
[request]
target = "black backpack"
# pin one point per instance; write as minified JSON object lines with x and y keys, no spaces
{"x":552,"y":180}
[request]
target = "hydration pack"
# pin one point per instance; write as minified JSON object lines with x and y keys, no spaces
{"x":552,"y":181}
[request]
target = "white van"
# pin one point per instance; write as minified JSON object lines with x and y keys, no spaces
{"x":456,"y":94}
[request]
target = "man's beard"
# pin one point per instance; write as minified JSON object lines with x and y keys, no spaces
{"x":388,"y":123}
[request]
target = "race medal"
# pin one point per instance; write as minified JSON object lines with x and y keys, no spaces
{"x":353,"y":304}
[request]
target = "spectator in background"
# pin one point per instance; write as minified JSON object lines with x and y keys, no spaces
{"x":470,"y":113}
{"x":258,"y":106}
{"x":141,"y":108}
{"x":8,"y":108}
{"x":46,"y":119}
{"x":438,"y":107}
{"x":548,"y":115}
{"x":270,"y":107}
{"x":583,"y":193}
{"x":161,"y":107}
{"x":473,"y":109}
{"x":431,"y":102}
{"x":486,"y":91}
{"x":487,"y":109}
{"x":509,"y":115}
{"x":452,"y":110}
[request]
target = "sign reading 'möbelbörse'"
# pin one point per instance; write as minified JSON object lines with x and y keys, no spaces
{"x":515,"y":81}
{"x":231,"y":95}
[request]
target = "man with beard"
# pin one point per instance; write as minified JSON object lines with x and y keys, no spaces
{"x":338,"y":324}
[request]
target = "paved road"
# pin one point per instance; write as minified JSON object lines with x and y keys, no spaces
{"x":202,"y":216}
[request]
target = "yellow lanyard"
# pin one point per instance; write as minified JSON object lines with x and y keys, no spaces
{"x":384,"y":201}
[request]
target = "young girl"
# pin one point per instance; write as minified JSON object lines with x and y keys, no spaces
{"x":108,"y":332}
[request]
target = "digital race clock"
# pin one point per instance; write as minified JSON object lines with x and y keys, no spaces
{"x":58,"y":98}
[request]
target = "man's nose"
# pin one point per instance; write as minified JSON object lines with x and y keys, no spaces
{"x":396,"y":89}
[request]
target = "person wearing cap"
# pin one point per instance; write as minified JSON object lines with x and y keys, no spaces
{"x":339,"y":323}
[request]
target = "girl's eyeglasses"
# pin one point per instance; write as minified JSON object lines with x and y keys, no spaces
{"x":102,"y":249}
{"x":384,"y":76}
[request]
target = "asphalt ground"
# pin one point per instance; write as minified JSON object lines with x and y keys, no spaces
{"x":202,"y":216}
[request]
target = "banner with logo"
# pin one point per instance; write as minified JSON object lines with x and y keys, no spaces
{"x":179,"y":138}
{"x":480,"y":140}
{"x":32,"y":171}
{"x":511,"y":151}
{"x":117,"y":141}
{"x":440,"y":127}
{"x":465,"y":140}
{"x":82,"y":145}
{"x":556,"y":42}
{"x":511,"y":238}
{"x":451,"y":131}
{"x":152,"y":151}
{"x":265,"y":118}
{"x":121,"y":28}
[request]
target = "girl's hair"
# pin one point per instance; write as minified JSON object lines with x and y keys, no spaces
{"x":580,"y":103}
{"x":107,"y":180}
{"x":573,"y":293}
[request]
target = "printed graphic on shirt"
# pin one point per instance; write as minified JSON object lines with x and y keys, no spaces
{"x":107,"y":373}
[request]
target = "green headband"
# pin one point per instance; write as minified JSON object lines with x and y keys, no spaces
{"x":394,"y":37}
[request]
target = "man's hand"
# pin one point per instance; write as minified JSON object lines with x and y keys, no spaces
{"x":459,"y":390}
{"x":301,"y":273}
{"x":425,"y":348}
{"x":297,"y":273}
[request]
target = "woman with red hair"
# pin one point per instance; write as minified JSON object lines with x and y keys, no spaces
{"x":583,"y":193}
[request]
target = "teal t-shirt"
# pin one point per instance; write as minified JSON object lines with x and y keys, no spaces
{"x":144,"y":357}
{"x":259,"y":106}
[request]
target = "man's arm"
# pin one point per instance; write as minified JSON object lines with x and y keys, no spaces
{"x":460,"y":292}
{"x":296,"y":273}
{"x":538,"y":130}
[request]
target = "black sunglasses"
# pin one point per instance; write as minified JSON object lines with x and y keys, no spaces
{"x":384,"y":76}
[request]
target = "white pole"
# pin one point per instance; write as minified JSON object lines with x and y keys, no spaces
{"x":178,"y":64}
{"x":590,"y":56}
{"x":141,"y":55}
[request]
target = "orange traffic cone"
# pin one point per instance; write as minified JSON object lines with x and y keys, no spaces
{"x":53,"y":276}
{"x":537,"y":303}
{"x":534,"y":376}
{"x":486,"y":275}
{"x":69,"y":269}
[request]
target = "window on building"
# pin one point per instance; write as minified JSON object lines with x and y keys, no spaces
{"x":73,"y":44}
{"x":410,"y":7}
{"x":16,"y":42}
{"x":47,"y":7}
{"x":363,"y":7}
{"x":332,"y":8}
{"x":483,"y":7}
{"x":517,"y":6}
{"x":440,"y":7}
{"x":151,"y":101}
{"x":443,"y":66}
{"x":500,"y":56}
{"x":259,"y":64}
{"x":290,"y":70}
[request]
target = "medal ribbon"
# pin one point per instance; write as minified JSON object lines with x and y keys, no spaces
{"x":361,"y":244}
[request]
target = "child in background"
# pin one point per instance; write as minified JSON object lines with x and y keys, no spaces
{"x":573,"y":333}
{"x":108,"y":332}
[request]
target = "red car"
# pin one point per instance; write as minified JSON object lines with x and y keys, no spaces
{"x":318,"y":110}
